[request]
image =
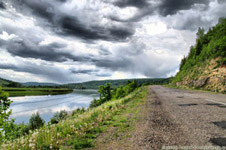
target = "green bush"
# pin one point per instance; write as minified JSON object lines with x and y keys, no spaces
{"x":58,"y":117}
{"x":36,"y":121}
{"x":107,"y":93}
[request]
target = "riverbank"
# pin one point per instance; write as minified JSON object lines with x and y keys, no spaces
{"x":81,"y":130}
{"x":14,"y":92}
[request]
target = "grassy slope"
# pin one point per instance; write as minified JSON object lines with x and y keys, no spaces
{"x":206,"y":61}
{"x":35,"y":91}
{"x":80,"y":131}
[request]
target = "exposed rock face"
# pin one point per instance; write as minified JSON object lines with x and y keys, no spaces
{"x":201,"y":83}
{"x":210,"y":78}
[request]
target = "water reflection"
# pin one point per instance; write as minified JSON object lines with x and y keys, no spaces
{"x":24,"y":107}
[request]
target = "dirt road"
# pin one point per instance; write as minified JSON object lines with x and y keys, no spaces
{"x":199,"y":119}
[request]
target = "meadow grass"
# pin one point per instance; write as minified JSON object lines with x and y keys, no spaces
{"x":80,"y":131}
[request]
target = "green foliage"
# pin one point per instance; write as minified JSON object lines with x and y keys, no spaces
{"x":200,"y":33}
{"x":8,"y":83}
{"x":36,"y":121}
{"x":6,"y":124}
{"x":120,"y":92}
{"x":78,"y":111}
{"x":107,"y":93}
{"x":58,"y":116}
{"x":123,"y":91}
{"x":94,"y":103}
{"x":183,"y":61}
{"x":208,"y":46}
{"x":116,"y":83}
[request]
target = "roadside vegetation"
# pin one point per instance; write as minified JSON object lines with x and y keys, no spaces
{"x":74,"y":130}
{"x":204,"y":66}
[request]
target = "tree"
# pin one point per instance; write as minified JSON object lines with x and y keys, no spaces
{"x":182,"y":63}
{"x":36,"y":121}
{"x":120,"y":92}
{"x":200,"y":33}
{"x":105,"y":92}
{"x":198,"y":47}
{"x":94,"y":103}
{"x":221,"y":20}
{"x":5,"y":123}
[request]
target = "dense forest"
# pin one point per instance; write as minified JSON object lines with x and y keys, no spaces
{"x":207,"y":55}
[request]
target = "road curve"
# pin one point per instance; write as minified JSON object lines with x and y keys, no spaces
{"x":201,"y":116}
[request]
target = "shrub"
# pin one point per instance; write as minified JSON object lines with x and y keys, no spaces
{"x":6,"y":124}
{"x":58,"y":117}
{"x":36,"y":121}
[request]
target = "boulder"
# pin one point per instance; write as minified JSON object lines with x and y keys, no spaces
{"x":201,"y":83}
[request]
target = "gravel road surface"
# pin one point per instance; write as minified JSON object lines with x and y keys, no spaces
{"x":199,"y":118}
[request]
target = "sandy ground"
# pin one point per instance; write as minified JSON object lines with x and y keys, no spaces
{"x":175,"y":119}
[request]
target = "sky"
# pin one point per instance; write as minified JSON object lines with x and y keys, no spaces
{"x":66,"y":41}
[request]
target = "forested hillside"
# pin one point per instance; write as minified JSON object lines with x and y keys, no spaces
{"x":8,"y":83}
{"x":115,"y":83}
{"x":205,"y":65}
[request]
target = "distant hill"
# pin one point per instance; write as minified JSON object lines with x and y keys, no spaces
{"x":205,"y":65}
{"x":8,"y":83}
{"x":38,"y":84}
{"x":114,"y":83}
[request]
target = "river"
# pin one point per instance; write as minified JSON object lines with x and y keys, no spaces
{"x":23,"y":107}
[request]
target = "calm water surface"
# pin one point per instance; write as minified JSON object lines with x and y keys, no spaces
{"x":24,"y":107}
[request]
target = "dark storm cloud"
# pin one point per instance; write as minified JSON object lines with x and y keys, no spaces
{"x":39,"y":8}
{"x":221,"y":1}
{"x":61,"y":0}
{"x":3,"y":43}
{"x":193,"y":23}
{"x":170,"y":7}
{"x":95,"y":72}
{"x":103,"y":75}
{"x":84,"y":71}
{"x":104,"y":51}
{"x":52,"y":52}
{"x":164,"y":8}
{"x":2,"y":5}
{"x":113,"y":63}
{"x":70,"y":25}
{"x":135,"y":3}
{"x":48,"y":72}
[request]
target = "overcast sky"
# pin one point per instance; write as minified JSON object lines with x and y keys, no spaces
{"x":66,"y":41}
